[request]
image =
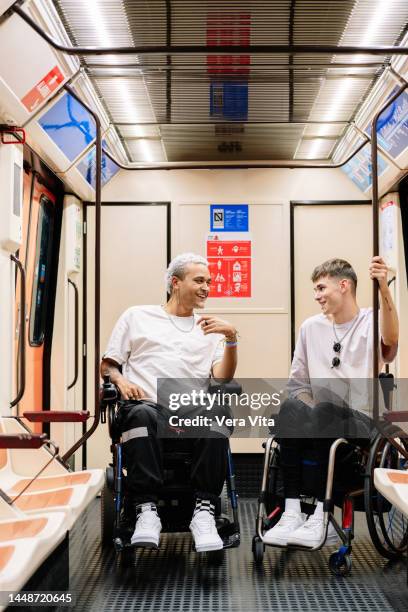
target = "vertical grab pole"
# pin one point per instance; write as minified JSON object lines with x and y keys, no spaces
{"x":376,"y":248}
{"x":98,"y":198}
{"x":22,"y":338}
{"x":98,"y":191}
{"x":76,"y":331}
{"x":376,"y":245}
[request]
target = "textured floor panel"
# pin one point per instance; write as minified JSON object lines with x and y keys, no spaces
{"x":177,"y":579}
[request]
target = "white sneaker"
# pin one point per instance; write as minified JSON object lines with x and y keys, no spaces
{"x":148,"y":527}
{"x":311,"y":533}
{"x":205,"y":532}
{"x":287,"y":524}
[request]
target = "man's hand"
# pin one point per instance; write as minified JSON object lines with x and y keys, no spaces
{"x":378,"y":269}
{"x":213,"y":325}
{"x":306,"y":398}
{"x":389,"y":326}
{"x":130,"y":391}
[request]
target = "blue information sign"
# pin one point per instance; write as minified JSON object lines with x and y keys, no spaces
{"x":359,"y":168}
{"x":229,"y":100}
{"x":69,"y":125}
{"x":229,"y":218}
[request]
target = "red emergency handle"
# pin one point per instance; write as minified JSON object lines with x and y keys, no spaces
{"x":17,"y":133}
{"x":22,"y":440}
{"x":396,"y":416}
{"x":57,"y":416}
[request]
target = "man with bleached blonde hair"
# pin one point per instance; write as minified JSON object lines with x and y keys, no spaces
{"x":170,"y":342}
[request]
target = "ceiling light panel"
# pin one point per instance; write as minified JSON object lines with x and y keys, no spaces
{"x":151,"y":92}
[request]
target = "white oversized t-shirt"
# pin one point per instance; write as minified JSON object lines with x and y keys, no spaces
{"x":312,"y":362}
{"x":149,"y":344}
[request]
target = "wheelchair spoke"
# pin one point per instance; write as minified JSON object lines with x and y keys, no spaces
{"x":390,"y":519}
{"x":387,"y":525}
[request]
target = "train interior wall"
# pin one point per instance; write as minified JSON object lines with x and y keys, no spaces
{"x":266,"y":314}
{"x":263,"y":320}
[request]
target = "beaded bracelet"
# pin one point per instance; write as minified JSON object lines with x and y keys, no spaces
{"x":231,"y":343}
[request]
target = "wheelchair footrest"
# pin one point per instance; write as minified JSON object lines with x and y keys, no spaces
{"x":232,"y":541}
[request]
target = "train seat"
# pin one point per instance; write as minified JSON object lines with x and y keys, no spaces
{"x":50,"y":526}
{"x":69,"y":501}
{"x":393,"y":485}
{"x":18,"y":562}
{"x":73,"y":500}
{"x":17,"y":468}
{"x":25,"y":542}
{"x":21,"y":557}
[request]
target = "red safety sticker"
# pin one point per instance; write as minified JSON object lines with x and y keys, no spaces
{"x":43,"y":89}
{"x":230,"y":267}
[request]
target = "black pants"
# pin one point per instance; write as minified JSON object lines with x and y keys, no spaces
{"x":302,"y":428}
{"x":143,"y":455}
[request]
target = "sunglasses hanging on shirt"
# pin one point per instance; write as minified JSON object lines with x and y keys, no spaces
{"x":336,"y":349}
{"x":337,"y":344}
{"x":335,"y":362}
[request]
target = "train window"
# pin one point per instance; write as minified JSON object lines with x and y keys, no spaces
{"x":43,"y":250}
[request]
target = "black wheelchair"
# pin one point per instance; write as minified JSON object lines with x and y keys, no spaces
{"x":349,"y":486}
{"x":176,"y":503}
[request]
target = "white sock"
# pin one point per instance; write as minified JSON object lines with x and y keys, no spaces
{"x":319,"y":509}
{"x":293,"y":504}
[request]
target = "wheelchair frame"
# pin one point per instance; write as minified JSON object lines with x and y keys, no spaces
{"x":112,"y":497}
{"x":340,"y":562}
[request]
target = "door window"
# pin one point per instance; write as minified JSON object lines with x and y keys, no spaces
{"x":42,"y":271}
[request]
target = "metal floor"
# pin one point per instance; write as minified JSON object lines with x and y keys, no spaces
{"x":177,"y":579}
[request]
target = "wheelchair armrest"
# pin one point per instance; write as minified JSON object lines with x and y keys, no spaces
{"x":109,"y":391}
{"x":387,"y":387}
{"x":109,"y":395}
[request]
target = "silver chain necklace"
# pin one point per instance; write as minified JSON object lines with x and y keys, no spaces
{"x":185,"y":331}
{"x":337,"y":345}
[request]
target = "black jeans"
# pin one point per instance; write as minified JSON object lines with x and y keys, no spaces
{"x":143,"y":455}
{"x":301,"y":428}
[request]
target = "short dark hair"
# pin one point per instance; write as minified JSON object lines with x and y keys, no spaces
{"x":336,"y":268}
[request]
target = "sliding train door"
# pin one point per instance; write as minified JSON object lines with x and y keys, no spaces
{"x":321,"y":231}
{"x":39,"y":257}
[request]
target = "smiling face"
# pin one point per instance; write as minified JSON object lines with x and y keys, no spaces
{"x":192,"y":290}
{"x":331,"y":293}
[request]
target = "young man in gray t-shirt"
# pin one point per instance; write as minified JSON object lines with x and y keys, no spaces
{"x":328,"y":388}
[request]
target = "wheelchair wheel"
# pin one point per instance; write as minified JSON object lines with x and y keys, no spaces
{"x":340,"y":564}
{"x":258,"y":550}
{"x":388,"y":527}
{"x":107,"y":509}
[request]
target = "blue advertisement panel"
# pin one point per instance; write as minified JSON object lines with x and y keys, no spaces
{"x":359,"y":168}
{"x":69,"y":125}
{"x":229,"y":218}
{"x":392,"y":126}
{"x":87,"y":167}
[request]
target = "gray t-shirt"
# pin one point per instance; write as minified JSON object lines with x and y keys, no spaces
{"x":312,"y":369}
